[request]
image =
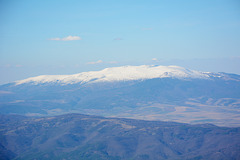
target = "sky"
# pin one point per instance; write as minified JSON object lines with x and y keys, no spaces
{"x":73,"y":36}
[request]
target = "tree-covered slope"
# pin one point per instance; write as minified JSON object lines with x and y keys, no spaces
{"x":75,"y":136}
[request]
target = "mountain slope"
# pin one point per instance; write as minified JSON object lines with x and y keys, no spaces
{"x":124,"y":73}
{"x":76,"y":136}
{"x":142,"y":92}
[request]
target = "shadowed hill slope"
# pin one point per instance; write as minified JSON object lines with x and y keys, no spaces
{"x":76,"y":136}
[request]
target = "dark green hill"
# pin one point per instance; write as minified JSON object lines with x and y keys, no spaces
{"x":76,"y":136}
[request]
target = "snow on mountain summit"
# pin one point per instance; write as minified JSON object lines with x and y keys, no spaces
{"x":123,"y":73}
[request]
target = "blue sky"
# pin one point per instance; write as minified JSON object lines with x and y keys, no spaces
{"x":71,"y":36}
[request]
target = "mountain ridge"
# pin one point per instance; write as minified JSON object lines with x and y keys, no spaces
{"x":123,"y":73}
{"x":213,"y":100}
{"x":78,"y":136}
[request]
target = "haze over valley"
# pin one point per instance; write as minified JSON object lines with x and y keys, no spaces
{"x":167,"y":93}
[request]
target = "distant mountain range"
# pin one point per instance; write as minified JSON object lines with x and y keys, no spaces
{"x":168,"y":93}
{"x":82,"y":137}
{"x":126,"y":73}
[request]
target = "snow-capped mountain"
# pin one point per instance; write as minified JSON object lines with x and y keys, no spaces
{"x":125,"y":73}
{"x":168,"y":93}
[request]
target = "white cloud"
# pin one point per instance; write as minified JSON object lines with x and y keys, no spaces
{"x":55,"y":39}
{"x":71,"y":38}
{"x":97,"y":62}
{"x":68,"y":38}
{"x":155,"y":59}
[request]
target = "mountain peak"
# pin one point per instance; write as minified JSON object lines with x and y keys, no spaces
{"x":123,"y":73}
